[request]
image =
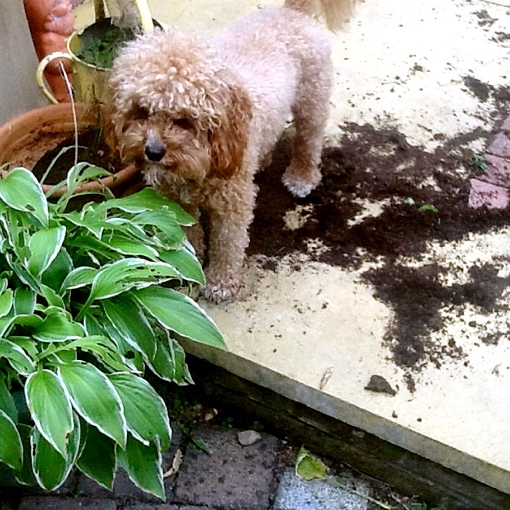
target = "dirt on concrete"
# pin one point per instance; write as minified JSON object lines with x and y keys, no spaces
{"x":383,"y":200}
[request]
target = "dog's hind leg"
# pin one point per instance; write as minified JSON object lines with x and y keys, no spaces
{"x":310,"y":111}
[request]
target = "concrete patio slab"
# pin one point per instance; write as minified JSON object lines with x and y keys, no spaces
{"x":318,"y":334}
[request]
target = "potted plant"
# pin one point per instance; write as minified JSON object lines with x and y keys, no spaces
{"x":91,"y":51}
{"x":27,"y":138}
{"x":89,"y":301}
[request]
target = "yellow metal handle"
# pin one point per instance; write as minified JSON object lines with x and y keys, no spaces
{"x":145,"y":15}
{"x":39,"y":74}
{"x":141,"y":6}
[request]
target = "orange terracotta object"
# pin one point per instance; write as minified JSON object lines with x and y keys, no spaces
{"x":51,"y":22}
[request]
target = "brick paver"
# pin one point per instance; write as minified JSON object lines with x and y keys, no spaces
{"x":492,"y":189}
{"x":56,"y":503}
{"x":230,"y":476}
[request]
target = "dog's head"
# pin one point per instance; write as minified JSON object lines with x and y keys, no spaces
{"x":173,"y":109}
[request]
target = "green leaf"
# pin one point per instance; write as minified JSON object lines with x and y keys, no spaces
{"x":123,"y":275}
{"x":20,"y":190}
{"x":164,"y":220}
{"x":89,"y":218}
{"x":180,"y":314}
{"x":26,"y":322}
{"x":128,"y":319}
{"x":428,"y":207}
{"x":100,"y":468}
{"x":94,"y":248}
{"x":7,"y":404}
{"x":24,"y":301}
{"x":169,"y":362}
{"x":58,"y":327}
{"x":131,"y":248}
{"x":50,"y":408}
{"x":308,"y":466}
{"x":143,"y":465}
{"x":58,"y":270}
{"x":201,"y":445}
{"x":95,"y":399}
{"x":479,"y":161}
{"x":186,"y":263}
{"x":6,"y":302}
{"x":79,"y":277}
{"x":44,"y":246}
{"x":50,"y":468}
{"x":77,"y":175}
{"x":145,"y":411}
{"x":148,"y":200}
{"x":17,"y":357}
{"x":120,"y":352}
{"x":31,"y":282}
{"x":103,"y":349}
{"x":11,"y":447}
{"x":51,"y":296}
{"x":25,"y":475}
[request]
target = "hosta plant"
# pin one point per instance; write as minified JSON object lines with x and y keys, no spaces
{"x":90,"y":300}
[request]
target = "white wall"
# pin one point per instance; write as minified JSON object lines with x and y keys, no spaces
{"x":18,"y":89}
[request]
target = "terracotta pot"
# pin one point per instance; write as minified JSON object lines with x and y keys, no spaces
{"x":25,"y":139}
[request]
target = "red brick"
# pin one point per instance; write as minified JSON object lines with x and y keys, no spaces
{"x":56,"y":503}
{"x":506,"y":124}
{"x":500,"y":145}
{"x":231,"y":476}
{"x":485,"y":194}
{"x":498,"y":171}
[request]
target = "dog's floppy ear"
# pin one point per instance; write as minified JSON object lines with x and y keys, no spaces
{"x":229,"y":138}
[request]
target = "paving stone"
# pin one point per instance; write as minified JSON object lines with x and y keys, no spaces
{"x":500,"y":145}
{"x":506,"y":124}
{"x":231,"y":476}
{"x":56,"y":503}
{"x":294,"y":493}
{"x":498,"y":171}
{"x":147,"y":506}
{"x":485,"y":194}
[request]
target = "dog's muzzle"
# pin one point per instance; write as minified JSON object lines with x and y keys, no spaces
{"x":154,"y":151}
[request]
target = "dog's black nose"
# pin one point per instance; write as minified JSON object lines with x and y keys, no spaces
{"x":155,"y":151}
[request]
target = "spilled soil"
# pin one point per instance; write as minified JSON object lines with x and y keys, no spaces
{"x":383,"y":199}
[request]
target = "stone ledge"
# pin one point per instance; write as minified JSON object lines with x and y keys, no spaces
{"x":332,"y":438}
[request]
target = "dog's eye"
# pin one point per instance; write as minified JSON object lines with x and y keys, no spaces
{"x":184,"y":124}
{"x":139,"y":113}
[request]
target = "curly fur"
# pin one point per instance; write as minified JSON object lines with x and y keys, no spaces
{"x":200,"y":117}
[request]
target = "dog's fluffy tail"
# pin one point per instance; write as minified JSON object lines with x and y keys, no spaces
{"x":335,"y":12}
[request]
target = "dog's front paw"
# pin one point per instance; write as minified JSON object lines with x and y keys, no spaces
{"x":299,"y":186}
{"x":221,"y":292}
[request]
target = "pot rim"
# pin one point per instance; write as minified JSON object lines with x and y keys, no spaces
{"x":30,"y":122}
